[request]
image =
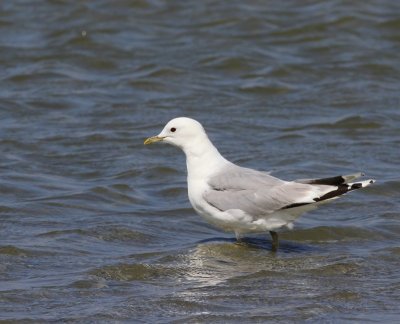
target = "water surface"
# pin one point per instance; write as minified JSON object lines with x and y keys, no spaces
{"x":95,"y":227}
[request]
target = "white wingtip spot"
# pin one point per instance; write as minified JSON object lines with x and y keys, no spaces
{"x":367,"y":182}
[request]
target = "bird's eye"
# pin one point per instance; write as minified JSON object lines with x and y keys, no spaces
{"x":173,"y":129}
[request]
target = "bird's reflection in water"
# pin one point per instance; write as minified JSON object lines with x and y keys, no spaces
{"x":214,"y":261}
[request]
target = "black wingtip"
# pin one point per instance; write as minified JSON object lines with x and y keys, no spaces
{"x":295,"y":205}
{"x":333,"y":181}
{"x":356,"y":186}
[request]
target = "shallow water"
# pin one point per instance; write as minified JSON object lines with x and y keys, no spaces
{"x":96,"y":227}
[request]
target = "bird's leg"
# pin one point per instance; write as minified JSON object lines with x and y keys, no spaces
{"x":275,"y":241}
{"x":238,"y":237}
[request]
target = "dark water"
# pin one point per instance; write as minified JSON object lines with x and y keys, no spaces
{"x":95,"y":227}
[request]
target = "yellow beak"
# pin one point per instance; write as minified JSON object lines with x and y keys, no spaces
{"x":153,"y":139}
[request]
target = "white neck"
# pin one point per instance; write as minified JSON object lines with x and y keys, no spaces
{"x":203,"y":158}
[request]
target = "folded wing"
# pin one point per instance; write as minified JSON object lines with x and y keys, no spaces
{"x":259,"y":194}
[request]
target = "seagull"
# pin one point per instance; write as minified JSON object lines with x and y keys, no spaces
{"x":242,"y":200}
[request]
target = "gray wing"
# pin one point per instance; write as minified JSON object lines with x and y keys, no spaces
{"x":256,"y":193}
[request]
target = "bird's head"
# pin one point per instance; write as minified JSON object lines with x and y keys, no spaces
{"x":182,"y":132}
